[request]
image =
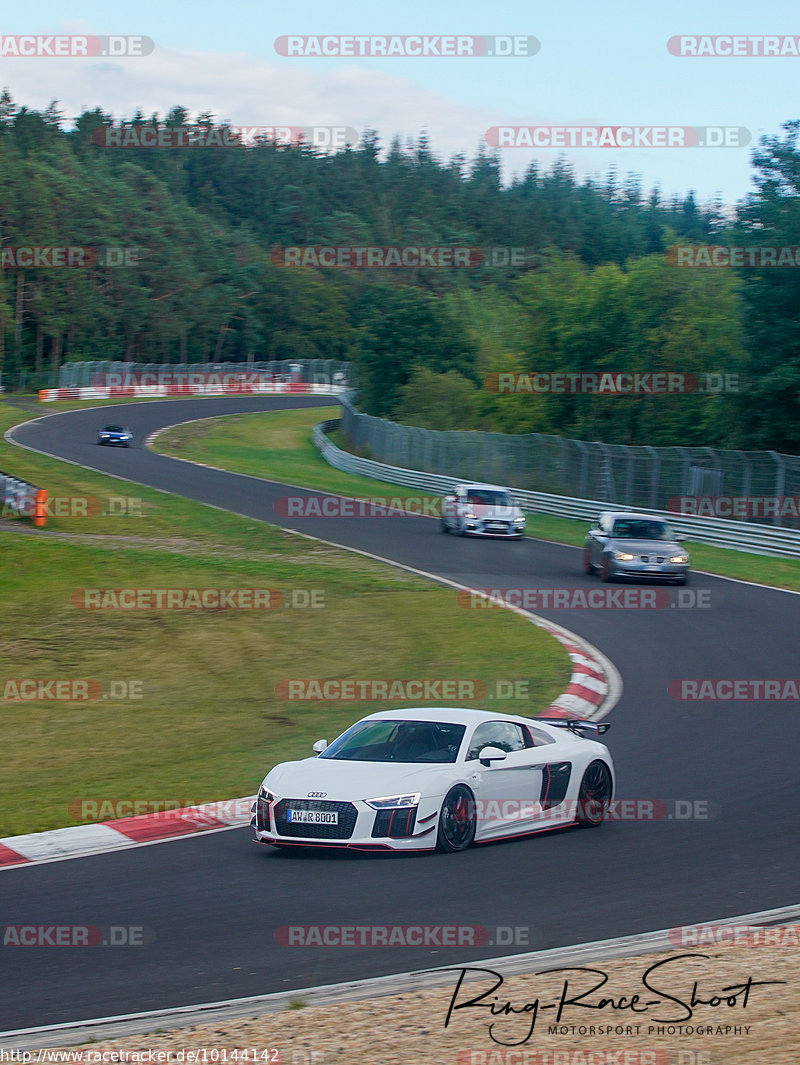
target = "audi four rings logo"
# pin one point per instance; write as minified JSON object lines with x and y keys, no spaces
{"x":317,"y":794}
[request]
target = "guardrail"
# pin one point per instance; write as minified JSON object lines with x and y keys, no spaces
{"x":156,"y":391}
{"x":18,"y":499}
{"x":737,"y":535}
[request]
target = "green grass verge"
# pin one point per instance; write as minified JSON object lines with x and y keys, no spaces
{"x":209,"y":722}
{"x":278,"y":446}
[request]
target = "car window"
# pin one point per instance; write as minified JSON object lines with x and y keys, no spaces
{"x":506,"y":735}
{"x":539,"y":737}
{"x":641,"y":529}
{"x":398,"y":741}
{"x":489,"y":498}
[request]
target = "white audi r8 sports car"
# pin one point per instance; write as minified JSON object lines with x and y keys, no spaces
{"x":427,"y":779}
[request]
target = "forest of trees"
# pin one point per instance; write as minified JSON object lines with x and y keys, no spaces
{"x":594,"y":287}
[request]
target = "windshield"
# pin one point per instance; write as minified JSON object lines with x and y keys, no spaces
{"x":398,"y":741}
{"x":645,"y":529}
{"x":114,"y":429}
{"x":489,"y":498}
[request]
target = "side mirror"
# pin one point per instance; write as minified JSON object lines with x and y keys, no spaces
{"x":320,"y":746}
{"x":491,"y":754}
{"x":680,"y":538}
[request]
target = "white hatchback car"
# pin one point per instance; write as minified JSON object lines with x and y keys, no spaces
{"x":475,"y":509}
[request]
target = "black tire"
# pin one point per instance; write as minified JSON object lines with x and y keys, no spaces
{"x":457,"y":821}
{"x":588,"y":567}
{"x":594,"y":795}
{"x":445,"y":526}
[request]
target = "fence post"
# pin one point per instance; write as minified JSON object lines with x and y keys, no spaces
{"x":655,"y":469}
{"x":780,"y":483}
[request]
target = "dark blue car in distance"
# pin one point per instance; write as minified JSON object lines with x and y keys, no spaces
{"x":115,"y":434}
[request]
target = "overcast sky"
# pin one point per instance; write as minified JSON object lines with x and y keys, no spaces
{"x":596,"y":65}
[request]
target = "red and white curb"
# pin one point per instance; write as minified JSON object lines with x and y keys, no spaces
{"x":81,"y":840}
{"x":588,"y":688}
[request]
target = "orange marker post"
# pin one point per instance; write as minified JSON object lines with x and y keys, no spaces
{"x":40,"y":510}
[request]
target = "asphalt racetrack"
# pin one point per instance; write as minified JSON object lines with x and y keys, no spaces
{"x":212,"y":904}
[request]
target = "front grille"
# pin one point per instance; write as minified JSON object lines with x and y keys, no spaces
{"x":344,"y":830}
{"x":394,"y":824}
{"x":653,"y":558}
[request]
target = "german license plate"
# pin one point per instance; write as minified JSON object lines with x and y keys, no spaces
{"x":313,"y":817}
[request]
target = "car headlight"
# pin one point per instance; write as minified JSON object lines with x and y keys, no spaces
{"x":623,"y":556}
{"x":394,"y":802}
{"x":679,"y":558}
{"x":470,"y":516}
{"x":519,"y":521}
{"x":266,"y":795}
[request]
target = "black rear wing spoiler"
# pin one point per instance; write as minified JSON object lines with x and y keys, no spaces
{"x":578,"y":725}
